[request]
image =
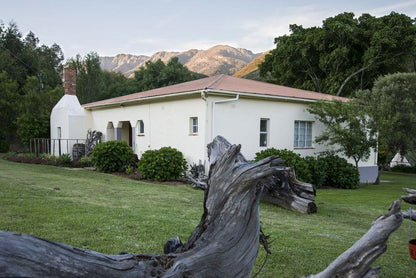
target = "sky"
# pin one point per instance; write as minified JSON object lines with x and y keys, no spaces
{"x":145,"y":27}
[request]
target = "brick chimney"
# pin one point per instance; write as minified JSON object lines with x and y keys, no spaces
{"x":70,"y":84}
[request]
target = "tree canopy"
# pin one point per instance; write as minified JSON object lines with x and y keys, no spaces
{"x":30,"y":84}
{"x":347,"y":127}
{"x":157,"y":74}
{"x":94,"y":84}
{"x":344,"y":54}
{"x":391,"y":104}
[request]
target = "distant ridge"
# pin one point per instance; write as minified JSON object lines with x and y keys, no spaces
{"x":250,"y":69}
{"x":219,"y":59}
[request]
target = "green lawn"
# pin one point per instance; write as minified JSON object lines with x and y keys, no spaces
{"x":110,"y":214}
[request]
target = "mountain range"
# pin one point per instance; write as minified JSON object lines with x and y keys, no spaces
{"x":219,"y":59}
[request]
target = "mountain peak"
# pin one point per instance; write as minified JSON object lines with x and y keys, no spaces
{"x":219,"y":59}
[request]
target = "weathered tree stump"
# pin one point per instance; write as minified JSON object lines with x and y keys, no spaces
{"x":284,"y":190}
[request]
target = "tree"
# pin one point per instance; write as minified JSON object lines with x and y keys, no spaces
{"x":347,"y":127}
{"x":344,"y":55}
{"x":391,"y":103}
{"x":29,"y":83}
{"x":34,"y":110}
{"x":157,"y":74}
{"x":90,"y":86}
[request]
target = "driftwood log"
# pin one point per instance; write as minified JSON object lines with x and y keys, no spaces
{"x":284,"y":190}
{"x":224,"y":244}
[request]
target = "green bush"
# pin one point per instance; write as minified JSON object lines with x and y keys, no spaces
{"x":291,"y":159}
{"x":339,"y":173}
{"x":164,"y":164}
{"x":317,"y":169}
{"x":112,"y":156}
{"x":49,"y":159}
{"x":64,"y":160}
{"x":86,"y":161}
{"x":326,"y":170}
{"x":404,"y":169}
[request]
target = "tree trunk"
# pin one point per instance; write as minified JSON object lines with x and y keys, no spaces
{"x":224,"y":244}
{"x":283,"y":189}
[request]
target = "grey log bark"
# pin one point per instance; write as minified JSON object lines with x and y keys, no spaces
{"x":224,"y":244}
{"x":356,"y":261}
{"x":283,"y":189}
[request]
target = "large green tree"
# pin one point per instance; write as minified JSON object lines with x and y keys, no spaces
{"x":157,"y":74}
{"x":391,"y":103}
{"x":344,"y":54}
{"x":28,"y":72}
{"x":90,"y":83}
{"x":348,"y":128}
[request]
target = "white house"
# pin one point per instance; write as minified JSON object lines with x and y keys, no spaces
{"x":189,"y":115}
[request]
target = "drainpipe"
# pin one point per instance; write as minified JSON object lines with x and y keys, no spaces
{"x":237,"y":96}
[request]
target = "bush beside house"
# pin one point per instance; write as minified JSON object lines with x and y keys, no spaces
{"x":113,"y":156}
{"x":163,"y":164}
{"x":327,"y":169}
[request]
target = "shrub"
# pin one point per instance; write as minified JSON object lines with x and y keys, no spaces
{"x":404,"y":169}
{"x":291,"y":159}
{"x":317,"y":169}
{"x":339,"y":173}
{"x":112,"y":156}
{"x":64,"y":160}
{"x":86,"y":161}
{"x":49,"y":159}
{"x":164,"y":164}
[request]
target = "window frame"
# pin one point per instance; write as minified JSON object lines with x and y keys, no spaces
{"x":302,"y":136}
{"x":140,"y":128}
{"x":264,"y":132}
{"x":193,"y":126}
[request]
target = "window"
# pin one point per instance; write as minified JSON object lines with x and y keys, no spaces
{"x":59,"y":132}
{"x":264,"y":132}
{"x":193,"y":125}
{"x":140,"y":127}
{"x":303,"y":134}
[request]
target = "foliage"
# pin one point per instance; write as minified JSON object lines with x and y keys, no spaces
{"x":404,"y":169}
{"x":86,"y":161}
{"x":29,"y":83}
{"x":347,"y":127}
{"x":4,"y":146}
{"x":157,"y":74}
{"x":164,"y":164}
{"x":291,"y":159}
{"x":391,"y":104}
{"x":325,"y":170}
{"x":112,"y":156}
{"x":345,"y":54}
{"x":89,"y":81}
{"x":318,"y":170}
{"x":339,"y":173}
{"x":64,"y":160}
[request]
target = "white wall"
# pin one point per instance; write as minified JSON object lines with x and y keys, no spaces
{"x":239,"y":123}
{"x":165,"y":124}
{"x":70,"y":117}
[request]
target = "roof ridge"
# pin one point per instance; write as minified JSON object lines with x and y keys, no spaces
{"x":216,"y":80}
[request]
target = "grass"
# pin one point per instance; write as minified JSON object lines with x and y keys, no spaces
{"x":110,"y":214}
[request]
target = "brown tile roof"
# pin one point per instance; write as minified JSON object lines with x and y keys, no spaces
{"x":221,"y":83}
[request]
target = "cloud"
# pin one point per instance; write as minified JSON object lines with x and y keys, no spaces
{"x":398,"y":7}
